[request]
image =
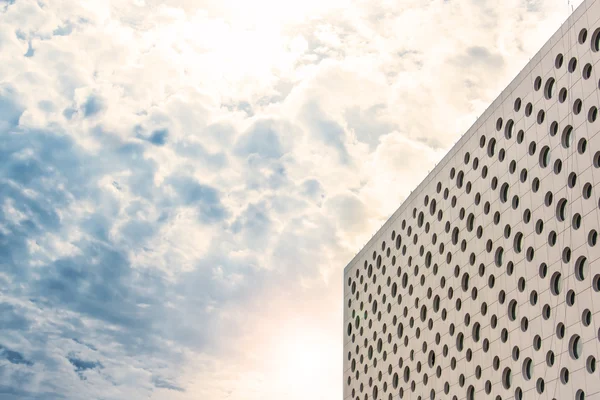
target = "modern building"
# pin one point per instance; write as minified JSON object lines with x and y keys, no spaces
{"x":485,"y":283}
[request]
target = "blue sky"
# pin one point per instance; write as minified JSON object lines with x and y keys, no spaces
{"x":182,"y":182}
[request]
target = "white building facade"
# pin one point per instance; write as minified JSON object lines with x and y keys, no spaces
{"x":485,"y":283}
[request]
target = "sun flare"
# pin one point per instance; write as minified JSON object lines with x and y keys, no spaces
{"x":304,"y":359}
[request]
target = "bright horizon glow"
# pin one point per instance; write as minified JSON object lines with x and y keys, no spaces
{"x":304,"y":363}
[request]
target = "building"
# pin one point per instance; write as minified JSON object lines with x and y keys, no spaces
{"x":485,"y":283}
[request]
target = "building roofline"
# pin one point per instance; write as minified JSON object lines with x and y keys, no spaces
{"x":482,"y":120}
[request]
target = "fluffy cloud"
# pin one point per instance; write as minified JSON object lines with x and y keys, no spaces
{"x":182,"y":182}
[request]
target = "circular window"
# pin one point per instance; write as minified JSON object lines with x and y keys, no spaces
{"x":582,"y":36}
{"x":572,"y":180}
{"x":515,"y":353}
{"x":541,"y":116}
{"x":545,"y":157}
{"x":572,"y":65}
{"x":517,"y":104}
{"x":515,"y":202}
{"x":590,"y":364}
{"x":550,"y":358}
{"x":537,"y":342}
{"x":506,"y":378}
{"x":549,"y":88}
{"x":530,"y":253}
{"x":557,"y":166}
{"x":499,"y":256}
{"x":539,"y":385}
{"x":577,"y":106}
{"x":593,"y":114}
{"x":597,"y":159}
{"x":576,"y":223}
{"x":504,"y":193}
{"x":575,"y":347}
{"x":587,"y":71}
{"x":539,"y":226}
{"x":586,"y":317}
{"x":518,"y":242}
{"x":491,"y":147}
{"x":552,"y":238}
{"x":532,"y":148}
{"x":561,"y":209}
{"x":535,"y":185}
{"x":562,"y":95}
{"x":508,"y":130}
{"x":470,"y":393}
{"x":543,"y":271}
{"x":595,"y":43}
{"x":556,"y":283}
{"x":512,"y":310}
{"x":566,"y":255}
{"x":596,"y":283}
{"x":546,"y":311}
{"x":523,"y":175}
{"x":558,"y":61}
{"x":520,"y":136}
{"x":567,"y":136}
{"x":499,"y":124}
{"x":431,"y":359}
{"x":592,"y":238}
{"x":581,"y":268}
{"x":581,"y":146}
{"x":460,"y":341}
{"x":553,"y":128}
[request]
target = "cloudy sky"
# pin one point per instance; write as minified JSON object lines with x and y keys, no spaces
{"x":183,"y":181}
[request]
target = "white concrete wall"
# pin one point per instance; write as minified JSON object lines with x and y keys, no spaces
{"x":430,"y":254}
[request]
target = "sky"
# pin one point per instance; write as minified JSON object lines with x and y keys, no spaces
{"x":182,"y":182}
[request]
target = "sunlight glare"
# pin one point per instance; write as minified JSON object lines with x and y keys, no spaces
{"x":305,"y":363}
{"x":261,"y":13}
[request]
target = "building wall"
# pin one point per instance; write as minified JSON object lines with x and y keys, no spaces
{"x":485,"y":283}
